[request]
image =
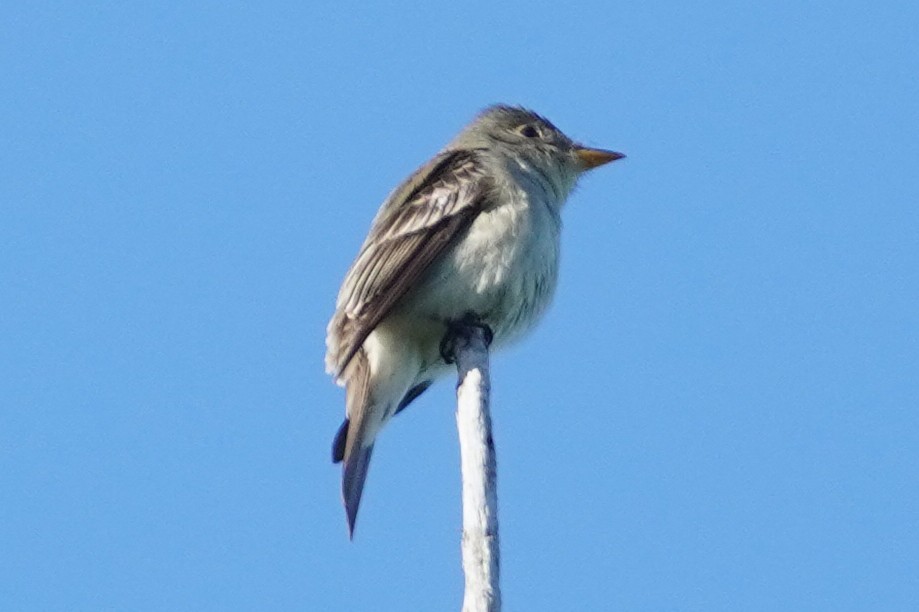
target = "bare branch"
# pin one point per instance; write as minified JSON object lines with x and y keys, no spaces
{"x":469,"y":346}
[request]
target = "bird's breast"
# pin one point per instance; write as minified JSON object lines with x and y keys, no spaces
{"x":504,"y":269}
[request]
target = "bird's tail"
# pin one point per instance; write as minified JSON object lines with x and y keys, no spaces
{"x":354,"y":472}
{"x":353,"y":444}
{"x":354,"y":452}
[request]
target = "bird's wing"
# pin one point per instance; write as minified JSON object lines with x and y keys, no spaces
{"x":414,"y":226}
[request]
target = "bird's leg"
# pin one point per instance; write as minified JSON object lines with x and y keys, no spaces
{"x":460,"y":329}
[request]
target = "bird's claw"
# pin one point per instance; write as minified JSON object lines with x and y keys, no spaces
{"x":460,"y":329}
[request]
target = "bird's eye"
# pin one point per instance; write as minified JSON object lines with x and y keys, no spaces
{"x":529,"y":131}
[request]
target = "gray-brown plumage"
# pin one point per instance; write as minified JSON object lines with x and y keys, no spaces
{"x":474,"y":232}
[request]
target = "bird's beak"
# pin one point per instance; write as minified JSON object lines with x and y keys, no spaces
{"x":591,"y":158}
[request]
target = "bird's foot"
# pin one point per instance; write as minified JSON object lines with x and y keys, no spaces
{"x":459,"y":330}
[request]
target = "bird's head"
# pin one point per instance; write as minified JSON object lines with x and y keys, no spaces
{"x":523,"y":134}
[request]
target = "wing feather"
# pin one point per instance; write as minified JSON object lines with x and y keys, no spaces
{"x":414,"y":226}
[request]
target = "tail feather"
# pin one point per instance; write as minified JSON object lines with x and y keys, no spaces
{"x":338,"y":444}
{"x":353,"y":443}
{"x":354,"y":473}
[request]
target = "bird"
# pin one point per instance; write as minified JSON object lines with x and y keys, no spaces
{"x":471,"y":237}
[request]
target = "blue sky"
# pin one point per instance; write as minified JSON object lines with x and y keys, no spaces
{"x":718,"y":412}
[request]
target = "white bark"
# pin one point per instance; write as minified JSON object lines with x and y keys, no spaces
{"x":477,"y":451}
